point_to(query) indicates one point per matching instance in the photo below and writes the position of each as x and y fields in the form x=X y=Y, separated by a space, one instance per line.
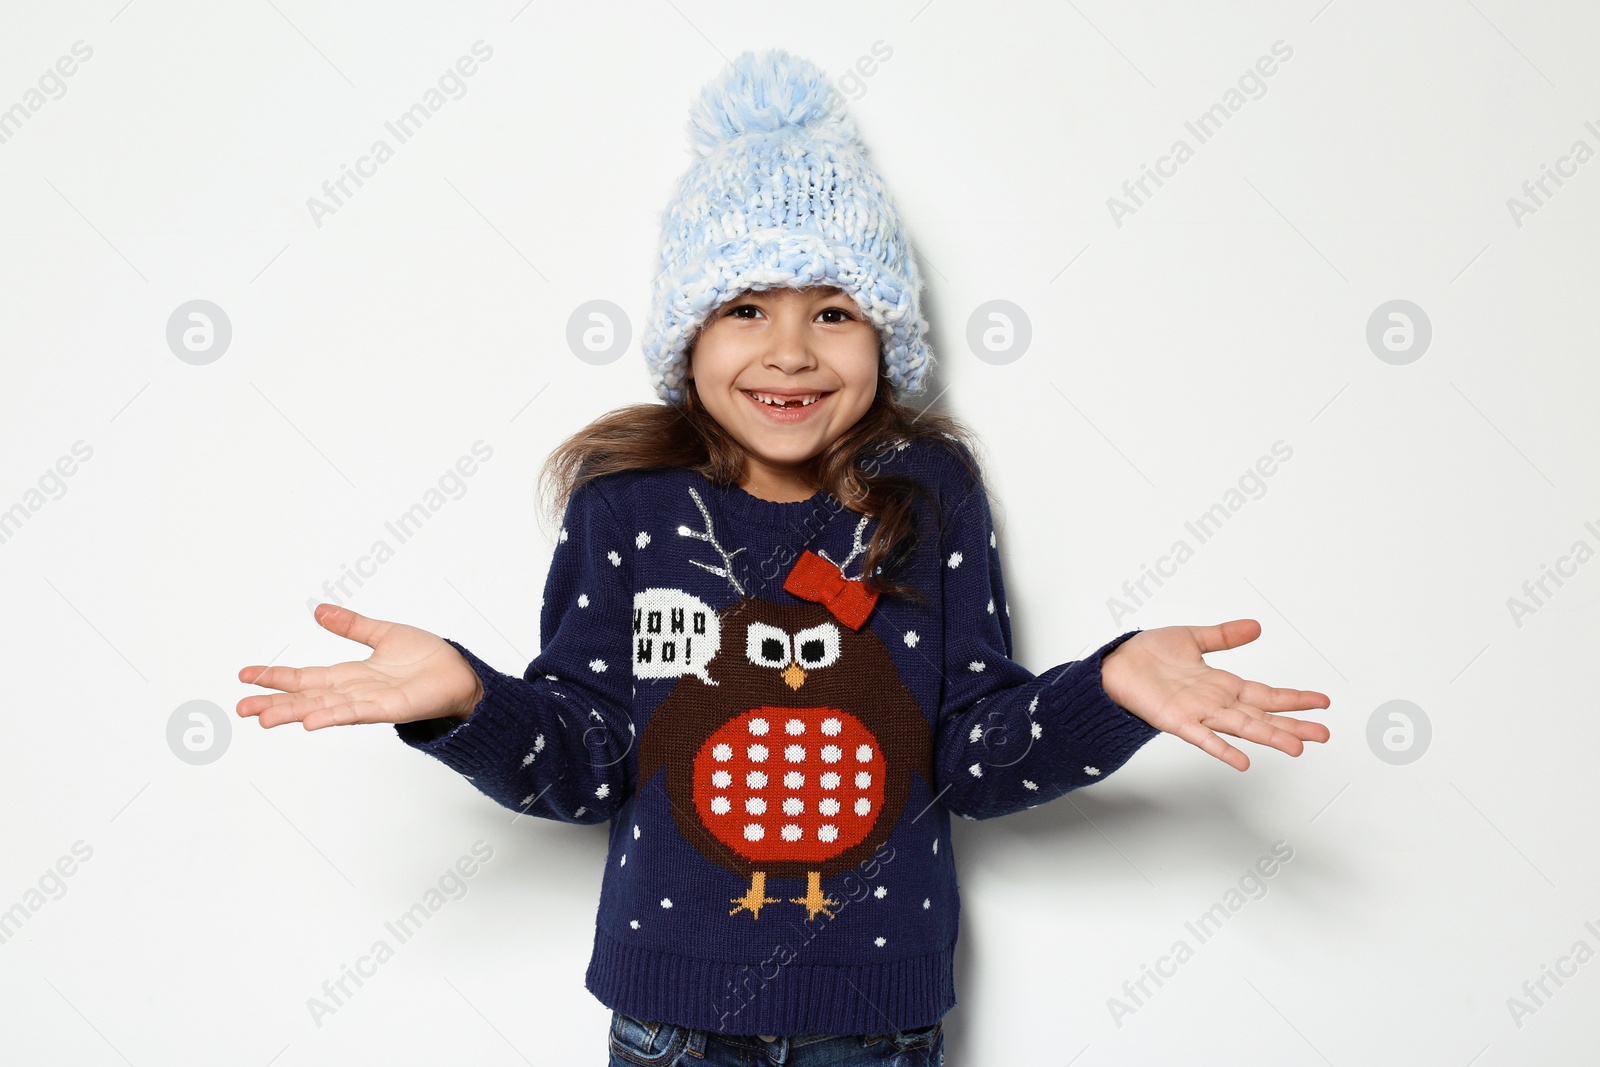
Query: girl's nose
x=790 y=352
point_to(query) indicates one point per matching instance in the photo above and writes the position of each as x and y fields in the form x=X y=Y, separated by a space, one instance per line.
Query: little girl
x=776 y=646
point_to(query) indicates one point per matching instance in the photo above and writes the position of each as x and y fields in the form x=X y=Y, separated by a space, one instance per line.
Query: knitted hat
x=780 y=195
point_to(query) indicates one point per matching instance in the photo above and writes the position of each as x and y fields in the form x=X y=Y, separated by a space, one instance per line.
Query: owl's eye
x=817 y=646
x=767 y=646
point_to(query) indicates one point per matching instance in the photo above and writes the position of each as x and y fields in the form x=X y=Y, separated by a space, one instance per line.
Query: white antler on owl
x=855 y=550
x=726 y=570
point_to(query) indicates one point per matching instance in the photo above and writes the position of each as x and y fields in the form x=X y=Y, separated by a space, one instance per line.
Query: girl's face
x=786 y=343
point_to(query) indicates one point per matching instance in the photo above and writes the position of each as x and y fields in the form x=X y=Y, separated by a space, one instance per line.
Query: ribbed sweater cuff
x=1100 y=729
x=499 y=724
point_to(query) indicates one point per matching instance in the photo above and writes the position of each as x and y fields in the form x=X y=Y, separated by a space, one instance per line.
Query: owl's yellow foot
x=754 y=897
x=814 y=900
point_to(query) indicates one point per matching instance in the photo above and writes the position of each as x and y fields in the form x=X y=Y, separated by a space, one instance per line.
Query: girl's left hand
x=1159 y=676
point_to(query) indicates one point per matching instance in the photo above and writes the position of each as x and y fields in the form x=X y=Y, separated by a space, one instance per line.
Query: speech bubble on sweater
x=674 y=633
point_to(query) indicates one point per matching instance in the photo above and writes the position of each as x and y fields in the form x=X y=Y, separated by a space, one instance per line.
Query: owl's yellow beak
x=794 y=675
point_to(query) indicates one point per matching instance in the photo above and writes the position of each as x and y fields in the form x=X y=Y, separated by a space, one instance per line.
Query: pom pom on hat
x=780 y=194
x=762 y=94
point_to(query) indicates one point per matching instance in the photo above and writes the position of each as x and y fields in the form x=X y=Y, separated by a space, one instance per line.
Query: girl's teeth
x=779 y=402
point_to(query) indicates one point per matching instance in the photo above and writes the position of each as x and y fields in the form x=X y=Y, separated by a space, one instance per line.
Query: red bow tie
x=814 y=578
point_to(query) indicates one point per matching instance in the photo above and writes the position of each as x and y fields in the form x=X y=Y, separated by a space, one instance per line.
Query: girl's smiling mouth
x=786 y=406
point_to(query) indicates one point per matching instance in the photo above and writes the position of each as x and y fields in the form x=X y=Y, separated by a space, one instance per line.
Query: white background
x=1169 y=353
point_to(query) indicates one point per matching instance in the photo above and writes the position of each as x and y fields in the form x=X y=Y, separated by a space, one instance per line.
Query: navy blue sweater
x=776 y=752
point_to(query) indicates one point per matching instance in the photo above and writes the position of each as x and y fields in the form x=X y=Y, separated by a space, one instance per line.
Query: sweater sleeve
x=556 y=742
x=1008 y=740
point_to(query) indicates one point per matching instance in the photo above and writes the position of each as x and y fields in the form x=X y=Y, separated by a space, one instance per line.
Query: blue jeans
x=641 y=1043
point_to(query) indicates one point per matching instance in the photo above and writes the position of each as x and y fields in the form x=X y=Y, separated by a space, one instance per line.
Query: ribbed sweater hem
x=788 y=999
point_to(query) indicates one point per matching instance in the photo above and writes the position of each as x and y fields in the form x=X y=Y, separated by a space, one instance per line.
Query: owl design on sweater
x=788 y=740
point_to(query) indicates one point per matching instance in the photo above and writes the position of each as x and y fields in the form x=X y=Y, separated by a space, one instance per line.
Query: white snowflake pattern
x=976 y=735
x=538 y=747
x=991 y=605
x=580 y=811
x=604 y=790
x=936 y=845
x=977 y=770
x=636 y=831
x=976 y=666
x=634 y=923
x=624 y=861
x=597 y=665
x=563 y=533
x=881 y=892
x=616 y=560
x=1092 y=771
x=642 y=540
x=666 y=902
x=1029 y=785
x=955 y=559
x=1037 y=730
x=926 y=903
x=583 y=601
x=880 y=942
x=912 y=639
x=991 y=538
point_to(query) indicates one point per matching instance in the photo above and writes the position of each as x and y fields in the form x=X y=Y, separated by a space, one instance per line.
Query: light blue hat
x=780 y=194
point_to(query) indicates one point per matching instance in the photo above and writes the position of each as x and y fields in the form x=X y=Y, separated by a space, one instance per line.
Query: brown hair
x=640 y=436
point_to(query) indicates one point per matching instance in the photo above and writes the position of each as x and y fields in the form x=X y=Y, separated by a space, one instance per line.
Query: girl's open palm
x=411 y=675
x=1159 y=676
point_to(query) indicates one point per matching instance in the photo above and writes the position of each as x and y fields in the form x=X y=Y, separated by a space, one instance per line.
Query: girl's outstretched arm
x=1007 y=739
x=552 y=743
x=555 y=742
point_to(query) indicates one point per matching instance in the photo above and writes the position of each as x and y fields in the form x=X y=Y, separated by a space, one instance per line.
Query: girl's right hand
x=411 y=675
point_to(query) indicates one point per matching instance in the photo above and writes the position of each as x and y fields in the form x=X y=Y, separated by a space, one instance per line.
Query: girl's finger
x=351 y=624
x=1208 y=742
x=1250 y=724
x=261 y=702
x=1225 y=635
x=288 y=679
x=1304 y=729
x=344 y=713
x=295 y=708
x=1274 y=699
x=1253 y=724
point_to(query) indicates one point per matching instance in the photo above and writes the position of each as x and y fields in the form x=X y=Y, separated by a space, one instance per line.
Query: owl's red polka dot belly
x=797 y=784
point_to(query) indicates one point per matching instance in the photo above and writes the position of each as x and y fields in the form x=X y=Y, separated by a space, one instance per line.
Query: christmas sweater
x=777 y=752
